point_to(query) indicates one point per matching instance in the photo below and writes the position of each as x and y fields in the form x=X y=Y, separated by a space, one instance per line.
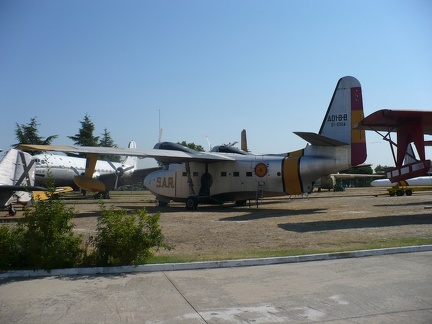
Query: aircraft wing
x=385 y=120
x=110 y=179
x=10 y=188
x=319 y=140
x=166 y=156
x=7 y=192
x=356 y=175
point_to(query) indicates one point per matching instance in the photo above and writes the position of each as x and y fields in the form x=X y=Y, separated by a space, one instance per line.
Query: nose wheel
x=191 y=203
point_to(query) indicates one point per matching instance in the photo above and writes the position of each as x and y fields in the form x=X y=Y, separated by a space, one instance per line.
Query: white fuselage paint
x=63 y=168
x=240 y=179
x=419 y=181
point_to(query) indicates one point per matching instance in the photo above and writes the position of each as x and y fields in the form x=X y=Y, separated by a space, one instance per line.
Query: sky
x=204 y=70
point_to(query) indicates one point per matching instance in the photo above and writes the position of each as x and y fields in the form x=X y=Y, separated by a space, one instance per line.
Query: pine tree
x=29 y=134
x=85 y=135
x=107 y=141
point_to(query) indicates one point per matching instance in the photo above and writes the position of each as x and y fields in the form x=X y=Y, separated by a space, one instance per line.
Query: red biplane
x=410 y=127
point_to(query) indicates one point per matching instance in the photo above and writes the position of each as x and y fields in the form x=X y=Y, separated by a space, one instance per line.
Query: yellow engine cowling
x=89 y=184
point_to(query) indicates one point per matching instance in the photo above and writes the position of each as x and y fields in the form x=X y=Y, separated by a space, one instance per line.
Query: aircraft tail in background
x=131 y=160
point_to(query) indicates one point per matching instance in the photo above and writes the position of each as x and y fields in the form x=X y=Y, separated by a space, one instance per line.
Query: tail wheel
x=191 y=203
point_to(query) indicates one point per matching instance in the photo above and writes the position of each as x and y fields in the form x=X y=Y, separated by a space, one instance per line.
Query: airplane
x=409 y=185
x=410 y=127
x=16 y=179
x=63 y=169
x=194 y=177
x=329 y=181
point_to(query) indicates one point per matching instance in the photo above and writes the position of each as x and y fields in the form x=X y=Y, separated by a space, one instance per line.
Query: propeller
x=119 y=172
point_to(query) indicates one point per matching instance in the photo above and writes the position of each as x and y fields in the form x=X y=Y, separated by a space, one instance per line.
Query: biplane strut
x=409 y=128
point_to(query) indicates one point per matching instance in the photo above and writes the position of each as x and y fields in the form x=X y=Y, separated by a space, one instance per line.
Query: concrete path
x=386 y=289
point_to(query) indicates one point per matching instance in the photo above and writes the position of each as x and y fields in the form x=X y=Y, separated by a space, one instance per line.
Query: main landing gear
x=191 y=203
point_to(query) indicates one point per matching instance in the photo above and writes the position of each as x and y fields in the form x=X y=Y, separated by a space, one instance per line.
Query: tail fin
x=131 y=160
x=244 y=146
x=339 y=126
x=343 y=115
x=409 y=156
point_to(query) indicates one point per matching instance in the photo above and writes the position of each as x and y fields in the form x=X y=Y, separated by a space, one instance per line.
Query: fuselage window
x=195 y=174
x=184 y=174
x=248 y=174
x=223 y=174
x=236 y=174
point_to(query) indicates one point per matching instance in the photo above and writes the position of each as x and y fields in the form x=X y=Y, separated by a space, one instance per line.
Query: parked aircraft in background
x=65 y=169
x=405 y=186
x=16 y=179
x=217 y=177
x=329 y=181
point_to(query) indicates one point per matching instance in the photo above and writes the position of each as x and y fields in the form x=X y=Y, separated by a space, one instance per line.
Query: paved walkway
x=387 y=289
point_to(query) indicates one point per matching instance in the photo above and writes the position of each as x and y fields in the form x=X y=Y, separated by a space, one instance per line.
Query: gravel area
x=351 y=219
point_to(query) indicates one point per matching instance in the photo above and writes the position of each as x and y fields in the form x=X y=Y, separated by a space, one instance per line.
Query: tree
x=382 y=168
x=85 y=134
x=363 y=169
x=107 y=141
x=29 y=134
x=193 y=146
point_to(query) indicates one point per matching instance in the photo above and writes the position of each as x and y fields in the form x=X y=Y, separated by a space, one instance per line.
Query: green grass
x=254 y=254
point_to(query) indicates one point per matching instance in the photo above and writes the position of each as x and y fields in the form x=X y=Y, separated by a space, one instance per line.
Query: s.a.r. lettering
x=165 y=182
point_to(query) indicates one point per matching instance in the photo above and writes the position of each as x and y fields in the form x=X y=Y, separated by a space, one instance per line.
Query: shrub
x=124 y=239
x=11 y=248
x=49 y=240
x=44 y=239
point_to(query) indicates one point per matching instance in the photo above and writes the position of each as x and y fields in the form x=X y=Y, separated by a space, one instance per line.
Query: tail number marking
x=337 y=120
x=165 y=182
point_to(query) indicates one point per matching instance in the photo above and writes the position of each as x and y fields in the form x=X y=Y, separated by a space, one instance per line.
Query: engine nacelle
x=89 y=184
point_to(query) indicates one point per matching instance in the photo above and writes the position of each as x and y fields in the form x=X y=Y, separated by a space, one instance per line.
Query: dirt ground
x=353 y=219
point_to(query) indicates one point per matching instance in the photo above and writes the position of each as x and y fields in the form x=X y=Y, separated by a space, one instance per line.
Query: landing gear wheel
x=399 y=192
x=162 y=203
x=240 y=203
x=191 y=203
x=408 y=192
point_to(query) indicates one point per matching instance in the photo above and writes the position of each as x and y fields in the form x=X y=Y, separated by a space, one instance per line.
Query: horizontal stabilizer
x=319 y=140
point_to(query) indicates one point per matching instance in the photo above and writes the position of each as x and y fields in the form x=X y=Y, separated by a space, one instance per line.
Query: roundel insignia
x=261 y=169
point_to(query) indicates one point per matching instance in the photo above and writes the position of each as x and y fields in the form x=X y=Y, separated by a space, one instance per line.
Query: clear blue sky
x=211 y=68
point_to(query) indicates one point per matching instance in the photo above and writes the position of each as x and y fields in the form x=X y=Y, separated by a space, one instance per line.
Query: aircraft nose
x=148 y=181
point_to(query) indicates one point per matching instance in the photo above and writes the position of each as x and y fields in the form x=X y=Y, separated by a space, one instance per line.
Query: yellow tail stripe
x=357 y=136
x=291 y=173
